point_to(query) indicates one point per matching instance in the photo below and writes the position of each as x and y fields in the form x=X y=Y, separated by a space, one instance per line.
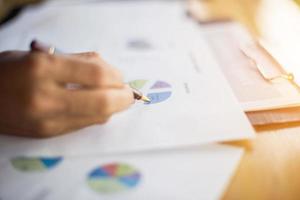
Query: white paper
x=190 y=174
x=152 y=41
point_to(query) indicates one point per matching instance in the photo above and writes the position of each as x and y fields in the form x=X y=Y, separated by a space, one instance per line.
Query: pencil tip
x=146 y=99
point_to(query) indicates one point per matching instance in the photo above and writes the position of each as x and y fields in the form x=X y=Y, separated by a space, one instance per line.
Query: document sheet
x=161 y=52
x=190 y=174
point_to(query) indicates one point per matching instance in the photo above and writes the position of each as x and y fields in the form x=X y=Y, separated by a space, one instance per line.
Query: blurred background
x=275 y=23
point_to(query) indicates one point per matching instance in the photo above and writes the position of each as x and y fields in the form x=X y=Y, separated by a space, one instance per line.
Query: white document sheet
x=159 y=51
x=190 y=174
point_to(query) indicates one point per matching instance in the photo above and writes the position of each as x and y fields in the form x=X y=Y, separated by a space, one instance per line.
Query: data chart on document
x=35 y=164
x=113 y=178
x=157 y=91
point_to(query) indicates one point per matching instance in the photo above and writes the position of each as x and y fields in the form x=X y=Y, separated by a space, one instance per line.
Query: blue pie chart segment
x=158 y=97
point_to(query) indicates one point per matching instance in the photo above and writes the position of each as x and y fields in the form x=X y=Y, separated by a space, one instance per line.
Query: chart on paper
x=157 y=91
x=35 y=164
x=113 y=177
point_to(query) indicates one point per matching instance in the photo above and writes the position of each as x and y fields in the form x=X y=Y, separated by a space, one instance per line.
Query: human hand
x=35 y=101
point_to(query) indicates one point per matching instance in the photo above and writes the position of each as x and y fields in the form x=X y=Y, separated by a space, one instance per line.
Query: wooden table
x=270 y=168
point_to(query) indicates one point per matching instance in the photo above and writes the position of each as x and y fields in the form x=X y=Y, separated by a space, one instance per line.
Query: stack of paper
x=268 y=93
x=142 y=151
x=249 y=70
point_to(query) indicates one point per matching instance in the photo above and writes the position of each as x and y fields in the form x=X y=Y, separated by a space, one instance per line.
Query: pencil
x=139 y=96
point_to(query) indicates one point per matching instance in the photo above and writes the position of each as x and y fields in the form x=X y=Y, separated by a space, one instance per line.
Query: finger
x=87 y=55
x=94 y=57
x=87 y=73
x=12 y=55
x=112 y=101
x=99 y=103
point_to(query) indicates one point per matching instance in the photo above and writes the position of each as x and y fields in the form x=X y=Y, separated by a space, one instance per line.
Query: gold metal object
x=287 y=76
x=139 y=95
x=51 y=50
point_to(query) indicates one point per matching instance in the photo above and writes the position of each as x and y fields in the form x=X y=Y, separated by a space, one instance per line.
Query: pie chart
x=35 y=164
x=113 y=177
x=157 y=91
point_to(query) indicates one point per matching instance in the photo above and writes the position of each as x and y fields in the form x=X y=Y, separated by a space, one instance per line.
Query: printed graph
x=157 y=91
x=35 y=164
x=113 y=178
